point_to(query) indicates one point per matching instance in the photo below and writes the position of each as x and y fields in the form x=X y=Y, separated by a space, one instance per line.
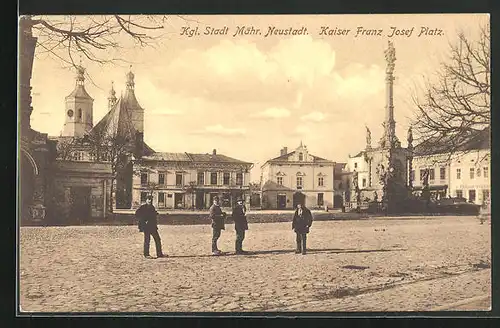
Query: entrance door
x=80 y=203
x=299 y=198
x=281 y=202
x=338 y=201
x=200 y=200
x=178 y=200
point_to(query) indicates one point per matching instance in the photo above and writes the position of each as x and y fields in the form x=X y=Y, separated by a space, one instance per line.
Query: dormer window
x=301 y=157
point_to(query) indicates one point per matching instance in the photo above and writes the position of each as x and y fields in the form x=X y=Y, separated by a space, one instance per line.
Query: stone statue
x=410 y=136
x=368 y=138
x=390 y=57
x=355 y=179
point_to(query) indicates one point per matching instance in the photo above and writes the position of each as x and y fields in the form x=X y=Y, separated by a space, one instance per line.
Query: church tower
x=136 y=111
x=112 y=97
x=78 y=108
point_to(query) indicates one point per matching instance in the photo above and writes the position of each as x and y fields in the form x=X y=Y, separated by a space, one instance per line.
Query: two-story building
x=464 y=173
x=188 y=181
x=297 y=177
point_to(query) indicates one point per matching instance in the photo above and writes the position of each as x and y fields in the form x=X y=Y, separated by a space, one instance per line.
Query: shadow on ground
x=291 y=251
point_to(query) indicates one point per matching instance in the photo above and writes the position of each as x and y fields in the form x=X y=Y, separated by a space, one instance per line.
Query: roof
x=79 y=92
x=474 y=140
x=190 y=157
x=118 y=121
x=284 y=158
x=361 y=153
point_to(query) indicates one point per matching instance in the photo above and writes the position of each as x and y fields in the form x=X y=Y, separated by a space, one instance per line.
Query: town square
x=278 y=172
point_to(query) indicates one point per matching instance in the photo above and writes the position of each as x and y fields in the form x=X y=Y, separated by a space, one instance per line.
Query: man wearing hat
x=240 y=224
x=146 y=215
x=217 y=217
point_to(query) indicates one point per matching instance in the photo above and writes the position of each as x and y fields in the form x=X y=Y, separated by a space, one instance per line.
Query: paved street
x=364 y=265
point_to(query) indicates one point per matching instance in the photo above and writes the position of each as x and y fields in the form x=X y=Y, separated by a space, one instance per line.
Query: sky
x=250 y=95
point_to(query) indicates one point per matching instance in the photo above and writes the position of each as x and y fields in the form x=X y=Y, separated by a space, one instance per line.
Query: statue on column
x=390 y=57
x=410 y=137
x=368 y=138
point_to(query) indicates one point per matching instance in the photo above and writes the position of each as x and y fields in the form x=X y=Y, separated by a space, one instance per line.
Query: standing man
x=217 y=217
x=146 y=215
x=302 y=221
x=240 y=225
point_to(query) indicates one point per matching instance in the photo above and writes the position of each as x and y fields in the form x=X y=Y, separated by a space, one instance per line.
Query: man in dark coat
x=240 y=225
x=302 y=221
x=217 y=217
x=146 y=215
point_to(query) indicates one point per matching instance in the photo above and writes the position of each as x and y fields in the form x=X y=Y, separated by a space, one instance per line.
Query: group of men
x=148 y=223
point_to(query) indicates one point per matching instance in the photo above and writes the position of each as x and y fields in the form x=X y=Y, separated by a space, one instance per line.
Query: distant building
x=187 y=181
x=464 y=173
x=296 y=177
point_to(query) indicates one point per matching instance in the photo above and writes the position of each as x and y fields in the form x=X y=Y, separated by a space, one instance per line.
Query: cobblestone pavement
x=367 y=265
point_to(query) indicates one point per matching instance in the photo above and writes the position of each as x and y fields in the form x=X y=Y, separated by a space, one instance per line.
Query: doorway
x=281 y=202
x=178 y=200
x=200 y=200
x=338 y=201
x=80 y=203
x=299 y=198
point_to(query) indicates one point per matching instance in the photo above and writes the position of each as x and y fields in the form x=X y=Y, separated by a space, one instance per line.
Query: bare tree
x=66 y=147
x=456 y=106
x=92 y=37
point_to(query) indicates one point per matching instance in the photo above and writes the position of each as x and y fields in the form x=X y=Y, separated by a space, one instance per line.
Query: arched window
x=79 y=113
x=301 y=157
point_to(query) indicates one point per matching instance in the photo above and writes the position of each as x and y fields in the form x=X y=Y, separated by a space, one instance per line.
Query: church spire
x=130 y=79
x=80 y=74
x=112 y=96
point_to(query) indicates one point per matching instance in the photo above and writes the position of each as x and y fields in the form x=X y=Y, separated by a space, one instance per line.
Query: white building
x=465 y=173
x=296 y=177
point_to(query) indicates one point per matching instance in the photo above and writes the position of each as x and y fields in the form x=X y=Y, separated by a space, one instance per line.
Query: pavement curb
x=452 y=306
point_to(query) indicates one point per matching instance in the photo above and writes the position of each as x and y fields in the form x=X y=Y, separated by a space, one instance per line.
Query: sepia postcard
x=254 y=164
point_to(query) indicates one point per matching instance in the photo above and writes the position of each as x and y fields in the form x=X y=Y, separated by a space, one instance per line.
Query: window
x=226 y=200
x=320 y=199
x=279 y=180
x=226 y=178
x=178 y=179
x=412 y=175
x=213 y=178
x=459 y=174
x=201 y=178
x=161 y=199
x=442 y=173
x=79 y=113
x=485 y=172
x=299 y=182
x=144 y=178
x=169 y=195
x=364 y=182
x=431 y=174
x=301 y=157
x=321 y=181
x=472 y=195
x=355 y=165
x=459 y=194
x=143 y=196
x=422 y=173
x=478 y=172
x=486 y=195
x=161 y=178
x=471 y=173
x=239 y=179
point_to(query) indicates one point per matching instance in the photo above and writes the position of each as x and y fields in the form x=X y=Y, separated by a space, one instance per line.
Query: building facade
x=297 y=177
x=465 y=173
x=189 y=181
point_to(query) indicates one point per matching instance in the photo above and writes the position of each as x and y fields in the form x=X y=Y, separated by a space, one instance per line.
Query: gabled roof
x=168 y=157
x=474 y=140
x=118 y=121
x=284 y=158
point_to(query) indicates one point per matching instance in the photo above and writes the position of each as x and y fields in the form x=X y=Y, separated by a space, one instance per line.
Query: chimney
x=214 y=152
x=284 y=151
x=139 y=144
